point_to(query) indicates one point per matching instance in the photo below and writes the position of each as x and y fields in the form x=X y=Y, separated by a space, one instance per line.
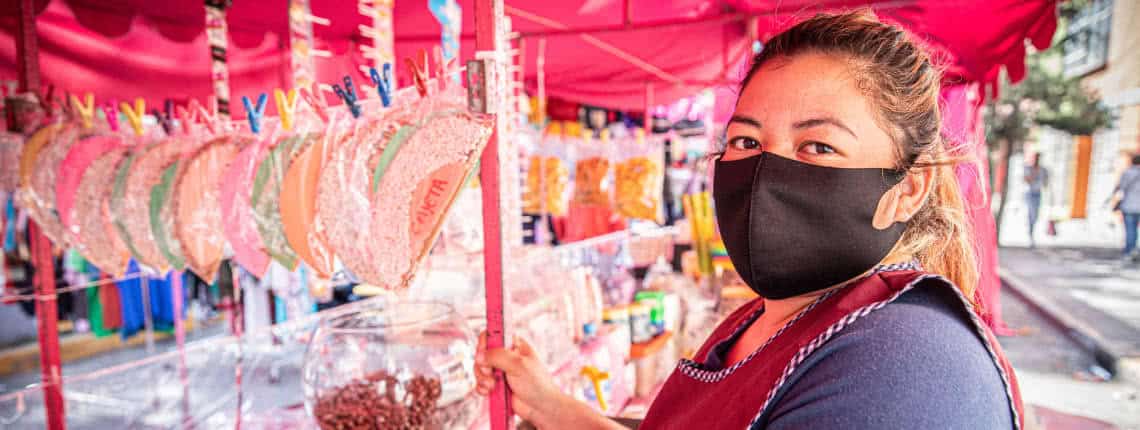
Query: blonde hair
x=903 y=84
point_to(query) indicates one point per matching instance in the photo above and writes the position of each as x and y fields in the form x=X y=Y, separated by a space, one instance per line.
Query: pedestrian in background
x=1037 y=178
x=1128 y=188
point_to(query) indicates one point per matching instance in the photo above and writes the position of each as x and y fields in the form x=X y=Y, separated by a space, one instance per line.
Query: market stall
x=296 y=196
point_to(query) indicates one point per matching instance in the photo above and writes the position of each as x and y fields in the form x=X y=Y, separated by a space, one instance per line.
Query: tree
x=1044 y=98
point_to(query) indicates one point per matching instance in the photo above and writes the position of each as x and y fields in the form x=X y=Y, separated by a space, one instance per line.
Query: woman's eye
x=817 y=148
x=742 y=143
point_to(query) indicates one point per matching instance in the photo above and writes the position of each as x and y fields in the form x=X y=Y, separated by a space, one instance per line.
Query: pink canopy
x=596 y=51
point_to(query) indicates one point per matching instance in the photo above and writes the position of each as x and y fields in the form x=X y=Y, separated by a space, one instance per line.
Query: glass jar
x=397 y=365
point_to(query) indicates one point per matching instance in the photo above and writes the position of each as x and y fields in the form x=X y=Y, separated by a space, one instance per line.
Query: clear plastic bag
x=238 y=222
x=299 y=203
x=592 y=172
x=420 y=183
x=639 y=176
x=40 y=197
x=266 y=191
x=10 y=147
x=197 y=202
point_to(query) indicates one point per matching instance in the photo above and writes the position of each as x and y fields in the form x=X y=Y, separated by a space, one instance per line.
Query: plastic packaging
x=237 y=213
x=10 y=147
x=592 y=171
x=40 y=198
x=418 y=181
x=197 y=203
x=266 y=192
x=298 y=205
x=639 y=176
x=93 y=226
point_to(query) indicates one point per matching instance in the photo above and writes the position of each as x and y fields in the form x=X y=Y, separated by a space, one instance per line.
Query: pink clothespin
x=316 y=100
x=187 y=115
x=111 y=112
x=419 y=72
x=208 y=114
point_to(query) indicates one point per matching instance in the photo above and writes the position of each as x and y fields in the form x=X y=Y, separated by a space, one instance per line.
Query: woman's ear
x=902 y=201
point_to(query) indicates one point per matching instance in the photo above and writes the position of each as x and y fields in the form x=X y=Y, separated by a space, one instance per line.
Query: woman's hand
x=534 y=396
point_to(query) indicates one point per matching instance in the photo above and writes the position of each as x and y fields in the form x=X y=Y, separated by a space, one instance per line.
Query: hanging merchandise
x=237 y=213
x=267 y=183
x=10 y=147
x=41 y=201
x=592 y=171
x=198 y=210
x=92 y=224
x=638 y=178
x=423 y=178
x=298 y=202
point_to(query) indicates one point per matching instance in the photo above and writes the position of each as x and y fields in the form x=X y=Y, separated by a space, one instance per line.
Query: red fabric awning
x=124 y=49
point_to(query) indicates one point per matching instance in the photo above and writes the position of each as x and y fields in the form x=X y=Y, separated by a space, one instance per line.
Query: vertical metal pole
x=47 y=319
x=648 y=109
x=47 y=322
x=27 y=48
x=487 y=15
x=148 y=313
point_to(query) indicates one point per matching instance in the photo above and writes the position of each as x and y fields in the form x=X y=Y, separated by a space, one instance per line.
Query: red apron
x=695 y=397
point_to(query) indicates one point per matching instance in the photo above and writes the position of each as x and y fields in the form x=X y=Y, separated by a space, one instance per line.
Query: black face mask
x=791 y=228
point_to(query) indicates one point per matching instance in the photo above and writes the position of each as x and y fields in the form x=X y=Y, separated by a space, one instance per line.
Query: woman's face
x=808 y=108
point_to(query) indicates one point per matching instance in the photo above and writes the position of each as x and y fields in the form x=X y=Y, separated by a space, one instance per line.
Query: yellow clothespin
x=135 y=114
x=86 y=108
x=640 y=134
x=596 y=377
x=286 y=105
x=605 y=135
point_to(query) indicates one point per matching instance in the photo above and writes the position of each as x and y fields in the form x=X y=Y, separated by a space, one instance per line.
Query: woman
x=1036 y=179
x=838 y=206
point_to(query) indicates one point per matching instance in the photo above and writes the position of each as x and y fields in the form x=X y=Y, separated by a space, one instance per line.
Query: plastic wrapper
x=266 y=193
x=419 y=186
x=592 y=173
x=197 y=203
x=10 y=147
x=71 y=171
x=131 y=203
x=548 y=176
x=40 y=200
x=299 y=205
x=639 y=176
x=238 y=223
x=343 y=207
x=94 y=231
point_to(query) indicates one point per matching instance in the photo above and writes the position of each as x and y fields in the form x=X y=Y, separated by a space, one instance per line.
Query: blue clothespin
x=383 y=83
x=348 y=94
x=255 y=113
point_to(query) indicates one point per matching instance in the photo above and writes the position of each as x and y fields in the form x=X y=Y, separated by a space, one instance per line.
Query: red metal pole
x=27 y=48
x=648 y=109
x=47 y=322
x=487 y=14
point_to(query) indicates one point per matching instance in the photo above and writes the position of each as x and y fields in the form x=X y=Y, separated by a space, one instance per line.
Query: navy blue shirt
x=917 y=363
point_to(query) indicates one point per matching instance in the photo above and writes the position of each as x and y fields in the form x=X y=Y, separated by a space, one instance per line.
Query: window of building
x=1086 y=40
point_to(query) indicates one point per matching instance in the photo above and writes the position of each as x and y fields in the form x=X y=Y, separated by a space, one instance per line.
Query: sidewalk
x=1089 y=293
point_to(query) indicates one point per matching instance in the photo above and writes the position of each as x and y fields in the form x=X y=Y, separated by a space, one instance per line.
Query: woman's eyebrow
x=816 y=122
x=745 y=120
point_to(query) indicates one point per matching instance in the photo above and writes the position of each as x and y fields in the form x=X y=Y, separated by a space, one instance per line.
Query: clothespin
x=441 y=68
x=112 y=114
x=135 y=114
x=316 y=100
x=187 y=115
x=286 y=105
x=383 y=83
x=208 y=114
x=254 y=113
x=86 y=108
x=165 y=119
x=46 y=100
x=348 y=94
x=419 y=72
